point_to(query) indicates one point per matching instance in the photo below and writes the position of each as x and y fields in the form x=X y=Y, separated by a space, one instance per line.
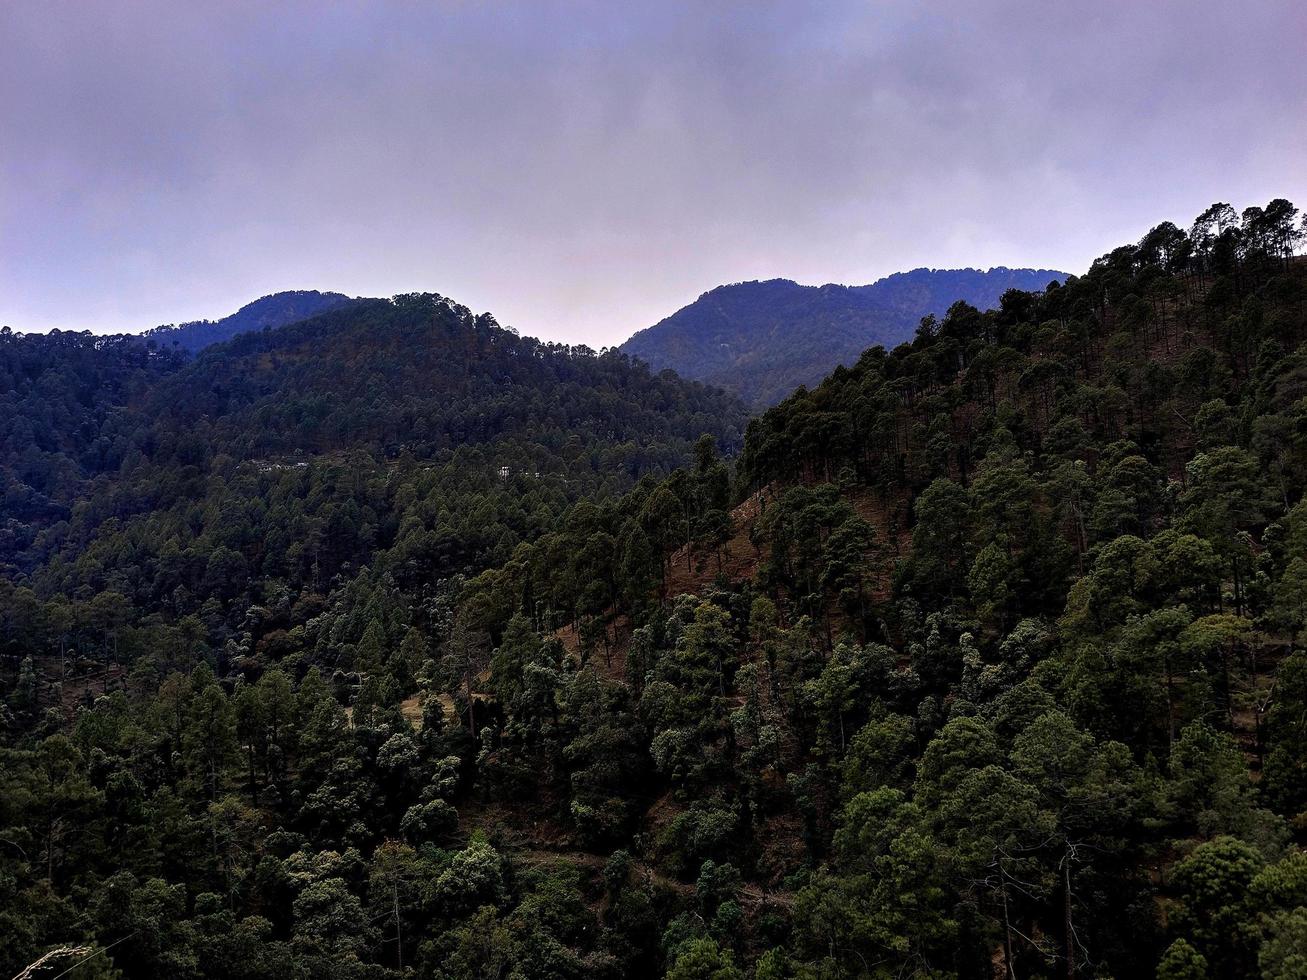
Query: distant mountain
x=762 y=340
x=275 y=310
x=421 y=372
x=417 y=377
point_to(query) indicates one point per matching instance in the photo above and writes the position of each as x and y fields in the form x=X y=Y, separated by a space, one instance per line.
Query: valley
x=386 y=642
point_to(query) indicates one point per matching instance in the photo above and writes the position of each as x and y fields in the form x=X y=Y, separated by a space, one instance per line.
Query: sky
x=582 y=170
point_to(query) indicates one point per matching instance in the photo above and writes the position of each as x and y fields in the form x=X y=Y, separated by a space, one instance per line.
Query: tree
x=1291 y=598
x=474 y=877
x=1225 y=494
x=1182 y=962
x=276 y=712
x=371 y=654
x=146 y=920
x=209 y=736
x=639 y=569
x=24 y=698
x=1092 y=794
x=393 y=880
x=963 y=746
x=996 y=829
x=330 y=921
x=605 y=756
x=1212 y=643
x=886 y=899
x=993 y=581
x=664 y=523
x=466 y=655
x=483 y=947
x=703 y=959
x=1283 y=955
x=940 y=537
x=1216 y=912
x=1209 y=788
x=406 y=663
x=849 y=563
x=252 y=730
x=1286 y=728
x=57 y=805
x=879 y=755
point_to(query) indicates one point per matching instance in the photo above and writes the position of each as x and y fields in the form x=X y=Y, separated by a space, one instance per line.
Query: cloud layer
x=583 y=169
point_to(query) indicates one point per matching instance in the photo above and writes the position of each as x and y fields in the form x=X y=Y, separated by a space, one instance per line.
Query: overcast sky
x=583 y=169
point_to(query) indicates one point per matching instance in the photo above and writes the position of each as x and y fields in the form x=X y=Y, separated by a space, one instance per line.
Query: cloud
x=583 y=169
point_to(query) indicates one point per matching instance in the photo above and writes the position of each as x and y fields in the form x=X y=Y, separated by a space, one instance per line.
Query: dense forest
x=761 y=340
x=391 y=644
x=267 y=312
x=311 y=447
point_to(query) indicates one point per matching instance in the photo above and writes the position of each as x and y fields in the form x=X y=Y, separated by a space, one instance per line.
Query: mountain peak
x=271 y=311
x=763 y=338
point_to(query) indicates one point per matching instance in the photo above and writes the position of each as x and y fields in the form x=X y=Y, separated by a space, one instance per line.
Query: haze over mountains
x=762 y=340
x=343 y=649
x=759 y=340
x=275 y=310
x=950 y=625
x=417 y=374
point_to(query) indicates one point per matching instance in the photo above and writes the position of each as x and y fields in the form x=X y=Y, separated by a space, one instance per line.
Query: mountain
x=422 y=373
x=124 y=441
x=1029 y=591
x=762 y=340
x=391 y=644
x=275 y=310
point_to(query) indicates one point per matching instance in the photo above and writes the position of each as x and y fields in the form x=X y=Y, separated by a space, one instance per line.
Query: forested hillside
x=982 y=658
x=105 y=442
x=762 y=340
x=275 y=310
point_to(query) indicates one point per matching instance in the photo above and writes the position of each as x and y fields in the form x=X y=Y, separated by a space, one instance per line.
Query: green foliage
x=764 y=339
x=984 y=657
x=1286 y=763
x=1216 y=911
x=1182 y=962
x=1284 y=953
x=703 y=959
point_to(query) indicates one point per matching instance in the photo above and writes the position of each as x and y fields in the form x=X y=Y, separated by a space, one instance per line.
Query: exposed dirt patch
x=533 y=827
x=411 y=709
x=606 y=652
x=74 y=682
x=783 y=850
x=690 y=569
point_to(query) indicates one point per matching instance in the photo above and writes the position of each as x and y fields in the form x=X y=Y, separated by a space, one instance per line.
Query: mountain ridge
x=271 y=311
x=417 y=376
x=420 y=619
x=742 y=336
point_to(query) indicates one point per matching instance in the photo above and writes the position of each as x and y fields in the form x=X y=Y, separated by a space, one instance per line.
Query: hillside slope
x=1004 y=629
x=423 y=373
x=107 y=443
x=275 y=310
x=986 y=659
x=764 y=339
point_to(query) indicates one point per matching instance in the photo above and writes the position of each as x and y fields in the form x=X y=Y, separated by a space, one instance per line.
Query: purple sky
x=583 y=169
